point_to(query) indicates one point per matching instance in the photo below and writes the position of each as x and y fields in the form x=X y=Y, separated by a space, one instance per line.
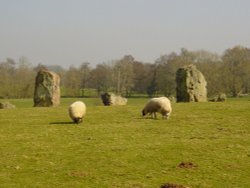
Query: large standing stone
x=109 y=99
x=47 y=89
x=191 y=85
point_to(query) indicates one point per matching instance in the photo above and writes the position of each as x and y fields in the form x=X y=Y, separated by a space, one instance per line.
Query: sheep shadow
x=147 y=118
x=62 y=123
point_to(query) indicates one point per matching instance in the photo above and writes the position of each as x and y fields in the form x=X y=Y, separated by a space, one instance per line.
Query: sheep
x=159 y=104
x=77 y=111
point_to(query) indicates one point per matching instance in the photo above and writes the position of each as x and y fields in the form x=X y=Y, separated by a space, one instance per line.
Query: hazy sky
x=69 y=32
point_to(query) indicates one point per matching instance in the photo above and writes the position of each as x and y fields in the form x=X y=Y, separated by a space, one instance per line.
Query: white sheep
x=159 y=104
x=77 y=111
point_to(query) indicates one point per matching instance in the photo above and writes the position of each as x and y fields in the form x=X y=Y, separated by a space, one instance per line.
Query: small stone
x=110 y=99
x=6 y=105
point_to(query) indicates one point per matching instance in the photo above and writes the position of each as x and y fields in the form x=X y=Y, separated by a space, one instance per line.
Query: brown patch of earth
x=187 y=165
x=78 y=174
x=171 y=185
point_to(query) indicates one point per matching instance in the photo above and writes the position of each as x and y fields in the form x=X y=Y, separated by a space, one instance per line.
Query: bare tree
x=236 y=69
x=101 y=78
x=71 y=82
x=85 y=72
x=125 y=75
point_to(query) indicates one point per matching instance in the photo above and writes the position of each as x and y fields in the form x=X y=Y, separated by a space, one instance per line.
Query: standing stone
x=47 y=89
x=191 y=85
x=110 y=99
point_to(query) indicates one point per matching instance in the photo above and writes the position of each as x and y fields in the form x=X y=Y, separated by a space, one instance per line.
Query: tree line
x=228 y=73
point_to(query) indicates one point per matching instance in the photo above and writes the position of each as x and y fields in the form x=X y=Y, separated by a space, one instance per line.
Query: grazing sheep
x=77 y=111
x=159 y=104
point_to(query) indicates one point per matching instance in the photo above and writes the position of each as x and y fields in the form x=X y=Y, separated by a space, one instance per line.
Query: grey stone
x=110 y=99
x=6 y=105
x=191 y=85
x=221 y=97
x=47 y=89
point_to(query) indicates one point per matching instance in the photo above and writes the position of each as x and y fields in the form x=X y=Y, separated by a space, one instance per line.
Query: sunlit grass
x=116 y=147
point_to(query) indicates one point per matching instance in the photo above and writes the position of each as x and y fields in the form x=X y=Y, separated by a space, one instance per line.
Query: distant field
x=116 y=148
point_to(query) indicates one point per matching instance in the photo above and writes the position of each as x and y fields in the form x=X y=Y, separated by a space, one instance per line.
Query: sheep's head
x=77 y=120
x=144 y=112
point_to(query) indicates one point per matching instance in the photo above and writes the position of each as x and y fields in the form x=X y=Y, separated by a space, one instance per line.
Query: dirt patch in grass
x=187 y=165
x=79 y=174
x=172 y=185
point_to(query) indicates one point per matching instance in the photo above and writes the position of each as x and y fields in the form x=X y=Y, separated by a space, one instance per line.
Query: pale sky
x=70 y=32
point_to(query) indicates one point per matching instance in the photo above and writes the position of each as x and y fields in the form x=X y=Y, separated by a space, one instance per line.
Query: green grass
x=116 y=147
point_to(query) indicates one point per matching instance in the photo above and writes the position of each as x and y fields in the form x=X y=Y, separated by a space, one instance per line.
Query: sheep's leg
x=154 y=115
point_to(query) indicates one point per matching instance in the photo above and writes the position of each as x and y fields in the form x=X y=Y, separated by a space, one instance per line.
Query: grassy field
x=116 y=147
